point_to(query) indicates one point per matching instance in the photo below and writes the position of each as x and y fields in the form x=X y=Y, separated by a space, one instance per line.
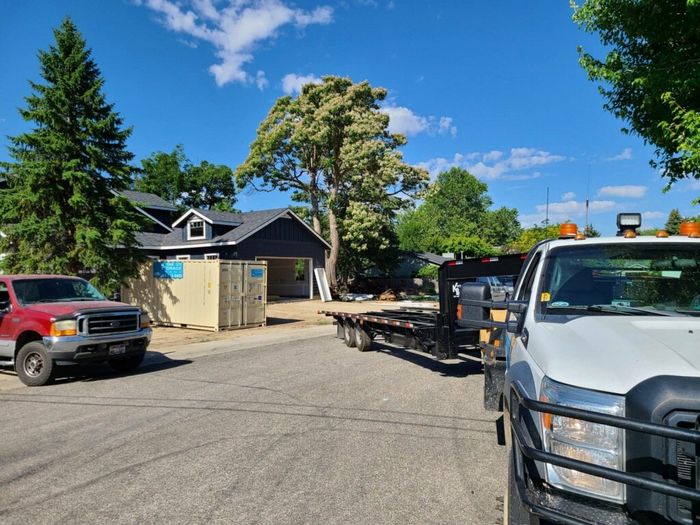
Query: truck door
x=6 y=321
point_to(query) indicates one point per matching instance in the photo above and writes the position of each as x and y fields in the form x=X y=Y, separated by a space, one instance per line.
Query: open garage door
x=289 y=276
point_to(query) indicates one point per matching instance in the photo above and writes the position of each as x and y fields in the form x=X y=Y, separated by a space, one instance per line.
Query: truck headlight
x=582 y=440
x=67 y=327
x=145 y=320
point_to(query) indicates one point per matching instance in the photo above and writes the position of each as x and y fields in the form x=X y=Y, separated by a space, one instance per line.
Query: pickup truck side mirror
x=5 y=307
x=116 y=296
x=474 y=292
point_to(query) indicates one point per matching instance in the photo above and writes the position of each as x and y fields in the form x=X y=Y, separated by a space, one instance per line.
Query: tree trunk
x=332 y=260
x=315 y=212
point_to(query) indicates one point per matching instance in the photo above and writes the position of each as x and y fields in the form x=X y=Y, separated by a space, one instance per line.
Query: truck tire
x=126 y=364
x=514 y=512
x=33 y=364
x=363 y=341
x=349 y=333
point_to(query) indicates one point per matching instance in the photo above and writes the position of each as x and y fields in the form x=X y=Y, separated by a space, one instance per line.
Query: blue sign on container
x=168 y=270
x=257 y=273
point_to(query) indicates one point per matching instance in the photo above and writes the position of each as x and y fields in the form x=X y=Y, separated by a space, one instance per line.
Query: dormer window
x=195 y=229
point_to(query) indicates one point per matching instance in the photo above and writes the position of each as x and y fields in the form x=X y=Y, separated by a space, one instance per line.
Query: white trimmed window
x=195 y=229
x=211 y=256
x=182 y=257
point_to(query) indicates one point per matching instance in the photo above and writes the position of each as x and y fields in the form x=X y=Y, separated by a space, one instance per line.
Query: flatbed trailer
x=437 y=331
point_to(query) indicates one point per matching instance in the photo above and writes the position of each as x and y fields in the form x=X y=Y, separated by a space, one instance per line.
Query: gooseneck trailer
x=441 y=331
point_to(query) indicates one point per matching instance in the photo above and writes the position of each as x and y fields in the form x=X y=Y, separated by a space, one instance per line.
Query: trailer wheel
x=349 y=333
x=363 y=341
x=339 y=330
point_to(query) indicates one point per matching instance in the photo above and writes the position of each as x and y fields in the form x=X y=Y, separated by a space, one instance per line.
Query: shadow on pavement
x=281 y=320
x=153 y=362
x=454 y=368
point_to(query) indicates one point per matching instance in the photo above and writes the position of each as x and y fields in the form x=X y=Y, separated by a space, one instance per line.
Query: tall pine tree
x=61 y=211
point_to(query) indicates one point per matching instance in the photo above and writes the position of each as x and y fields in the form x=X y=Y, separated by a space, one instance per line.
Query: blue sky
x=494 y=87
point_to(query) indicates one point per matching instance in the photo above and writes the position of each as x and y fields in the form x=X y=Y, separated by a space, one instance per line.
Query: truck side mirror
x=116 y=296
x=5 y=307
x=474 y=292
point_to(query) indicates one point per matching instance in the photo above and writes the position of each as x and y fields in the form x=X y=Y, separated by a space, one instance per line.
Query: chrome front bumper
x=85 y=349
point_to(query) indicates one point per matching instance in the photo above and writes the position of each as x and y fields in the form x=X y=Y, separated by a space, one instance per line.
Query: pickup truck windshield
x=623 y=279
x=54 y=290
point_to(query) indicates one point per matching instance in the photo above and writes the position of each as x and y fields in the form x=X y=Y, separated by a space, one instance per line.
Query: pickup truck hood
x=614 y=353
x=69 y=307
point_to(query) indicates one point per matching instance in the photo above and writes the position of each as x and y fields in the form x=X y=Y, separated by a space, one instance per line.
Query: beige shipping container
x=204 y=294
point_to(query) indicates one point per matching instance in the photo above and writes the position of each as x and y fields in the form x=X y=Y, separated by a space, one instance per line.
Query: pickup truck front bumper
x=558 y=506
x=91 y=349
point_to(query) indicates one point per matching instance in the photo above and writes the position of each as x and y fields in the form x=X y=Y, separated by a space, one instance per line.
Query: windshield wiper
x=684 y=311
x=605 y=309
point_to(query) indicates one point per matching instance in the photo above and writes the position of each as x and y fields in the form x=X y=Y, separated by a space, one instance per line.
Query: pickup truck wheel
x=33 y=364
x=126 y=364
x=363 y=341
x=349 y=333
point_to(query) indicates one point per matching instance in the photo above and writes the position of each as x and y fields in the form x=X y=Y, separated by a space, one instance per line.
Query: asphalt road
x=306 y=431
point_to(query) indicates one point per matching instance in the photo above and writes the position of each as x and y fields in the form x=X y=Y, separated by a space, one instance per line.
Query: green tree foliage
x=429 y=271
x=673 y=223
x=531 y=236
x=456 y=206
x=62 y=212
x=331 y=148
x=591 y=231
x=651 y=74
x=174 y=178
x=466 y=246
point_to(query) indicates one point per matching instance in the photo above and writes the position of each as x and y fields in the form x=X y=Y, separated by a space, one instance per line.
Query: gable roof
x=148 y=200
x=212 y=217
x=248 y=223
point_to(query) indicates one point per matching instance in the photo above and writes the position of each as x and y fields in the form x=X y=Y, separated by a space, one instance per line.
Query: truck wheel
x=33 y=364
x=349 y=333
x=363 y=341
x=514 y=512
x=126 y=364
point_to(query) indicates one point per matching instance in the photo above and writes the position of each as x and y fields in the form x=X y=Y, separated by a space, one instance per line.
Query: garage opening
x=289 y=276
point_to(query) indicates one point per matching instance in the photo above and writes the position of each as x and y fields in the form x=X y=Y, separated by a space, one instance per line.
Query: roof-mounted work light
x=628 y=221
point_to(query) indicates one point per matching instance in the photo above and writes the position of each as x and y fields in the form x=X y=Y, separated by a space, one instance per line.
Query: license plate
x=117 y=349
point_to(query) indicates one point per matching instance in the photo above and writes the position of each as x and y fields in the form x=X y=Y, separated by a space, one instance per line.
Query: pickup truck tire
x=349 y=333
x=33 y=364
x=126 y=364
x=363 y=341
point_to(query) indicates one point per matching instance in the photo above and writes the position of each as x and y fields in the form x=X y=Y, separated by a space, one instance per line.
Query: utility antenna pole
x=546 y=215
x=588 y=193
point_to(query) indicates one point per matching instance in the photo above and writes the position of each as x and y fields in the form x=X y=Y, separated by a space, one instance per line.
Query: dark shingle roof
x=148 y=200
x=432 y=258
x=225 y=217
x=248 y=222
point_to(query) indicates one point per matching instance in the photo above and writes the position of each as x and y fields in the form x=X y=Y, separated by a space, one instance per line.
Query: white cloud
x=405 y=121
x=261 y=80
x=652 y=215
x=564 y=211
x=568 y=196
x=634 y=192
x=292 y=83
x=496 y=164
x=234 y=29
x=625 y=154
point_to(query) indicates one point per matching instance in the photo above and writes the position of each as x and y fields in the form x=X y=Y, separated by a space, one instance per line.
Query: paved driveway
x=305 y=431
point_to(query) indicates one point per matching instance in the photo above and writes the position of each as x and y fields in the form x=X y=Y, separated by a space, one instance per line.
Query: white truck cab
x=601 y=394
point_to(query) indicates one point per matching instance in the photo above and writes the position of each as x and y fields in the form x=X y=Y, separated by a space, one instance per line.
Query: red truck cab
x=47 y=321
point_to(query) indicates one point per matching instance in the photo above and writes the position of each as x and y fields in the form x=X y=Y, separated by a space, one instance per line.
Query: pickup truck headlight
x=145 y=320
x=67 y=327
x=582 y=440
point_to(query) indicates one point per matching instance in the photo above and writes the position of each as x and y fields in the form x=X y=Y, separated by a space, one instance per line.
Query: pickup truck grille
x=109 y=323
x=682 y=458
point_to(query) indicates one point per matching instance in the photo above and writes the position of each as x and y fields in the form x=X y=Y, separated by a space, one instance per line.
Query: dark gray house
x=291 y=248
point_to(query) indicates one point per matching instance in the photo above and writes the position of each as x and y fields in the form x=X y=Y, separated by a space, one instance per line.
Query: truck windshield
x=54 y=290
x=623 y=279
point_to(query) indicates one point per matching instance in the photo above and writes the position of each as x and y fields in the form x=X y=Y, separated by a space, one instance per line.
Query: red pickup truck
x=51 y=320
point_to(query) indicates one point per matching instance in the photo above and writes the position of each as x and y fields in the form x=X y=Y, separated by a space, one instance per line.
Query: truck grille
x=684 y=468
x=109 y=323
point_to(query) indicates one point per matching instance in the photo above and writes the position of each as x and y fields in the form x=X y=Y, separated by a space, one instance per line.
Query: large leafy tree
x=456 y=206
x=331 y=148
x=61 y=211
x=650 y=76
x=176 y=179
